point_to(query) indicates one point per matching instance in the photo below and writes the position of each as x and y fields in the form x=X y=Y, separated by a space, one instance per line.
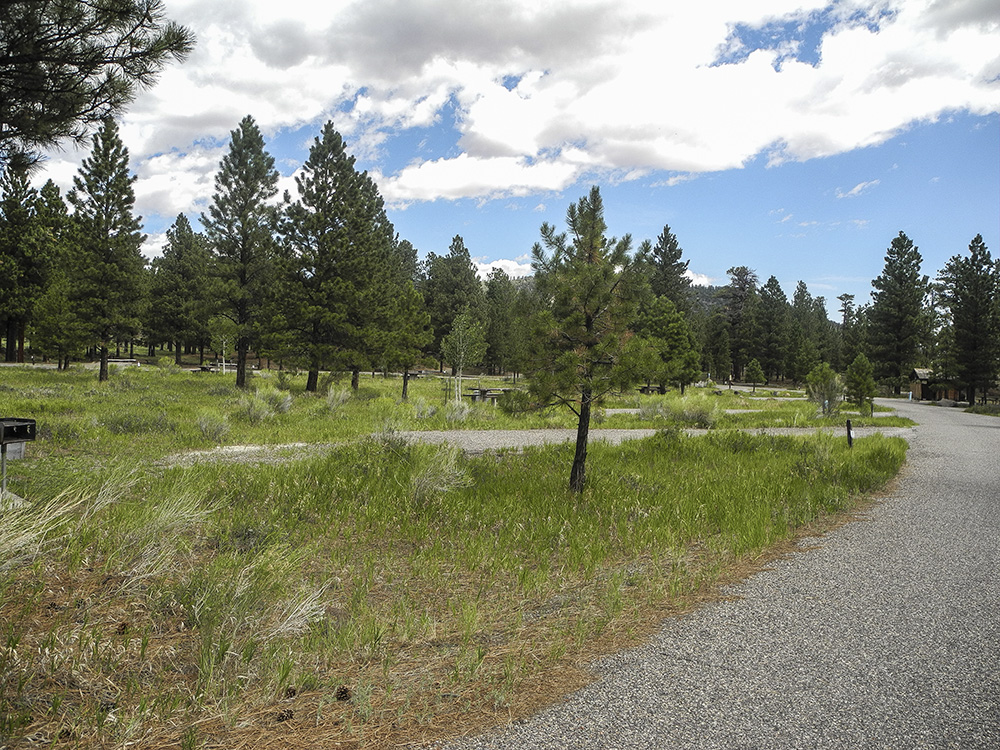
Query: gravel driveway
x=887 y=635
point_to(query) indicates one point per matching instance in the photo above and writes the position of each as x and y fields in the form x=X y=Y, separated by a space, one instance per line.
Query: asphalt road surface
x=886 y=635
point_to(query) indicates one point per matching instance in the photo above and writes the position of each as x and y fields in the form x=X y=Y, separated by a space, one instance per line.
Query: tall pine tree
x=343 y=268
x=22 y=261
x=179 y=306
x=896 y=318
x=500 y=296
x=667 y=272
x=971 y=292
x=773 y=325
x=240 y=226
x=106 y=276
x=57 y=327
x=450 y=287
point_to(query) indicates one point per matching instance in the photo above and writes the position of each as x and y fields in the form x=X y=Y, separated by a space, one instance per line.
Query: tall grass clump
x=457 y=411
x=263 y=404
x=213 y=427
x=441 y=471
x=422 y=409
x=168 y=366
x=138 y=420
x=692 y=410
x=336 y=398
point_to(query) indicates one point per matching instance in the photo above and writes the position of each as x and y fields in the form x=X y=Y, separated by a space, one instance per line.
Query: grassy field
x=371 y=592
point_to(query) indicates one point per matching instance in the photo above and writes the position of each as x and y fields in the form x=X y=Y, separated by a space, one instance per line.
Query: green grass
x=992 y=410
x=375 y=592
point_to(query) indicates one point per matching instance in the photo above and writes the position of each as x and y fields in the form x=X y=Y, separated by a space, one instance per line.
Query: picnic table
x=486 y=394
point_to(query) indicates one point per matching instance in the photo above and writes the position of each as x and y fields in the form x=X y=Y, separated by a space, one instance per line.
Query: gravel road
x=886 y=635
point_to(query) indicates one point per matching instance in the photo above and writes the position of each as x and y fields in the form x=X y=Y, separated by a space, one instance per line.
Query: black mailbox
x=16 y=431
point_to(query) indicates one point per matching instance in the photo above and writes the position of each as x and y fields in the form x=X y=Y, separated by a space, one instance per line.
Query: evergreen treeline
x=319 y=280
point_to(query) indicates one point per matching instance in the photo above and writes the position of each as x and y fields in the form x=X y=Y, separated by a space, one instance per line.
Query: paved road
x=886 y=636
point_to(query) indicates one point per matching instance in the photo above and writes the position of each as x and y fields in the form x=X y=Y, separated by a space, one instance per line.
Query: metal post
x=850 y=435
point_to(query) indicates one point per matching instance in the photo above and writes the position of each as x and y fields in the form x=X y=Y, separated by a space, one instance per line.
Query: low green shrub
x=213 y=427
x=138 y=422
x=515 y=402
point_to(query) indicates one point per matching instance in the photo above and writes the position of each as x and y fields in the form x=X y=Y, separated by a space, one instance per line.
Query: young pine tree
x=859 y=383
x=594 y=285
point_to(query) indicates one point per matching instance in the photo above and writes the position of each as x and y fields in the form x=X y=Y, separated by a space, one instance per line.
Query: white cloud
x=857 y=190
x=153 y=246
x=512 y=268
x=543 y=94
x=699 y=279
x=478 y=176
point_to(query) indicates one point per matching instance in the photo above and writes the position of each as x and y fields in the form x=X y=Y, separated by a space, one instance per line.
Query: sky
x=796 y=137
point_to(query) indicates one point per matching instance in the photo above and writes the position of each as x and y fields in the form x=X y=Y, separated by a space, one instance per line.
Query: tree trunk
x=312 y=382
x=10 y=354
x=102 y=374
x=355 y=379
x=406 y=383
x=241 y=363
x=578 y=474
x=20 y=341
x=177 y=353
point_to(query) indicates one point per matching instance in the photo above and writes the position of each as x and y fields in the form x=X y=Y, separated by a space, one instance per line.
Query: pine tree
x=774 y=326
x=971 y=292
x=897 y=316
x=180 y=305
x=740 y=299
x=850 y=328
x=106 y=275
x=859 y=383
x=594 y=286
x=345 y=268
x=665 y=330
x=410 y=333
x=754 y=374
x=500 y=296
x=57 y=327
x=22 y=263
x=67 y=65
x=667 y=273
x=240 y=226
x=451 y=285
x=717 y=358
